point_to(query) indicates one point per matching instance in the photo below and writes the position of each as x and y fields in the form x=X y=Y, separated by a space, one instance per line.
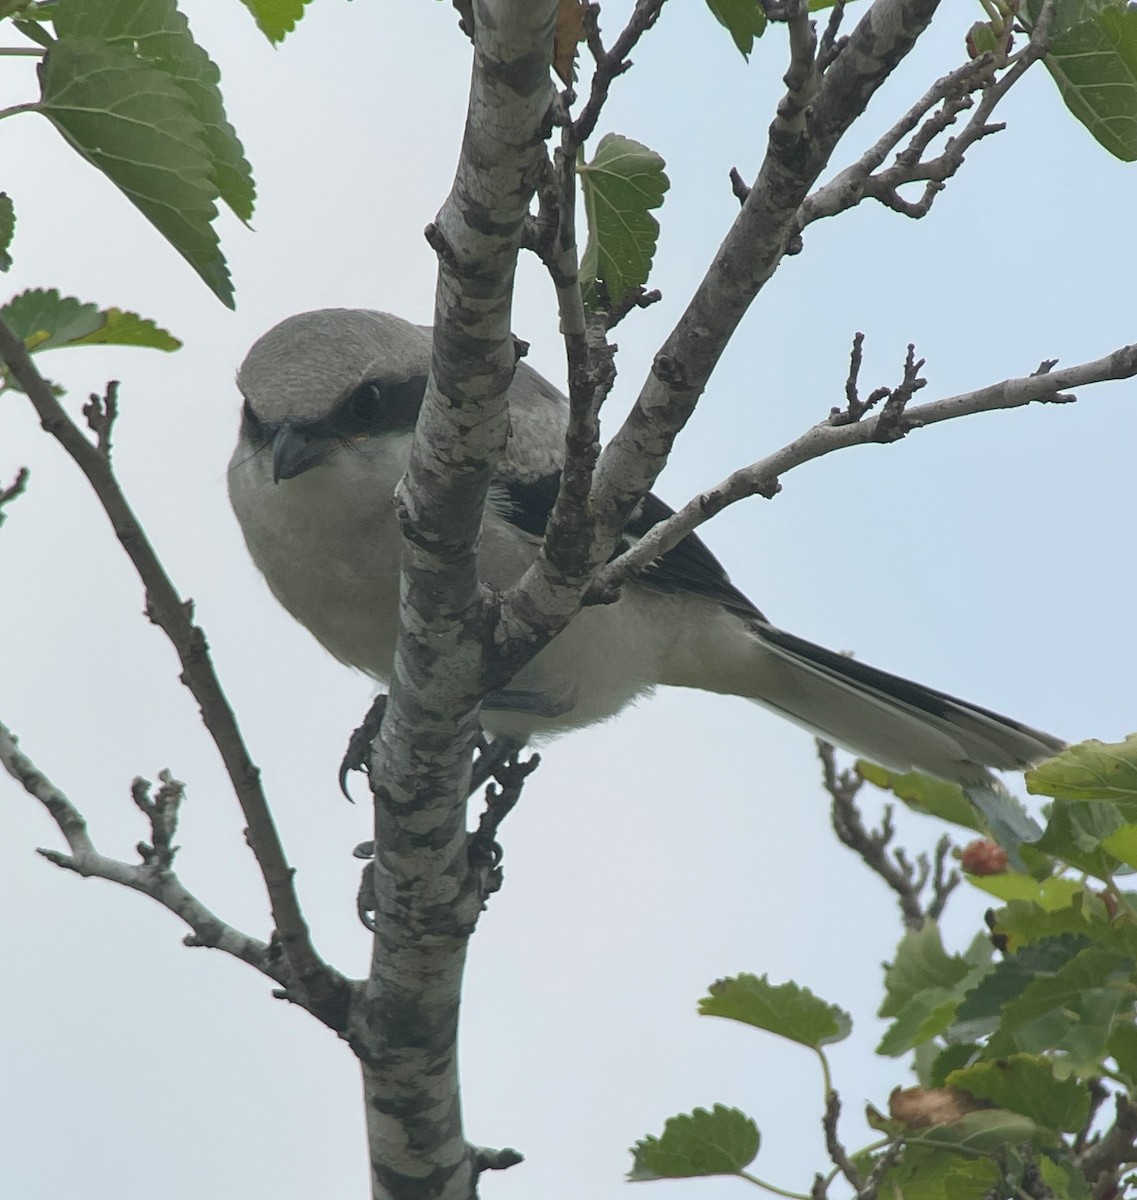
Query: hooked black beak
x=295 y=450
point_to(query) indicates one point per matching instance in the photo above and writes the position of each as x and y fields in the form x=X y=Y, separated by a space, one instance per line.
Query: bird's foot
x=357 y=757
x=494 y=756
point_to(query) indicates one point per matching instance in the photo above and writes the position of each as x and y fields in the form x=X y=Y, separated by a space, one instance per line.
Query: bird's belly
x=334 y=566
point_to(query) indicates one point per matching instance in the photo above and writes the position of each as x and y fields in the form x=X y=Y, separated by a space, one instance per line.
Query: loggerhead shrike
x=331 y=398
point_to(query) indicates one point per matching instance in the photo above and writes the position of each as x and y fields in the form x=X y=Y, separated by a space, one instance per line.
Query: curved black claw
x=364 y=901
x=357 y=757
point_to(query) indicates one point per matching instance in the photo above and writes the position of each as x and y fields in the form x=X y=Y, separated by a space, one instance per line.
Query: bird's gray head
x=329 y=377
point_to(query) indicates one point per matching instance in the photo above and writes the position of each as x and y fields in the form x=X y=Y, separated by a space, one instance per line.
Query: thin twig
x=153 y=877
x=831 y=45
x=801 y=77
x=881 y=1168
x=896 y=871
x=317 y=985
x=16 y=488
x=837 y=1153
x=926 y=120
x=762 y=478
x=611 y=63
x=855 y=408
x=1102 y=1161
x=944 y=881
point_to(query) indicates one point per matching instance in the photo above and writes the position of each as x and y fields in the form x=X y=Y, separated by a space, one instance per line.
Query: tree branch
x=15 y=489
x=948 y=96
x=762 y=478
x=311 y=982
x=811 y=120
x=427 y=895
x=906 y=879
x=154 y=876
x=1102 y=1161
x=611 y=63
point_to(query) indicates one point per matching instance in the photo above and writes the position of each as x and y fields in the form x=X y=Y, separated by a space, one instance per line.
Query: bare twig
x=837 y=1153
x=486 y=1159
x=831 y=45
x=935 y=112
x=315 y=984
x=1102 y=1161
x=762 y=478
x=162 y=812
x=16 y=488
x=101 y=413
x=944 y=880
x=801 y=77
x=855 y=407
x=906 y=879
x=152 y=877
x=611 y=63
x=851 y=185
x=1099 y=1094
x=880 y=1169
x=892 y=423
x=798 y=149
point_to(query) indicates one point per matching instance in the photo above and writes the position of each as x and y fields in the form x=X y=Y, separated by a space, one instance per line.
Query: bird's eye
x=364 y=406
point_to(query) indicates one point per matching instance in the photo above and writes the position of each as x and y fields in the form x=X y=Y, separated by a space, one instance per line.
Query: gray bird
x=331 y=398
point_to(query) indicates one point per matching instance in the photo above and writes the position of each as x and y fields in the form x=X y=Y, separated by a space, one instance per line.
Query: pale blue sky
x=686 y=840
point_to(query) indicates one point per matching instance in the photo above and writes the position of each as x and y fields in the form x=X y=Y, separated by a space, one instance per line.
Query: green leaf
x=18 y=10
x=1122 y=844
x=972 y=1180
x=979 y=1011
x=622 y=183
x=723 y=1141
x=31 y=25
x=1071 y=1011
x=923 y=794
x=1122 y=1048
x=1087 y=916
x=744 y=20
x=133 y=122
x=928 y=1174
x=923 y=988
x=276 y=18
x=1007 y=821
x=1062 y=1176
x=7 y=229
x=158 y=34
x=951 y=1058
x=46 y=320
x=985 y=37
x=920 y=963
x=924 y=1017
x=987 y=1131
x=121 y=328
x=1075 y=833
x=1093 y=61
x=1025 y=1084
x=1092 y=770
x=1049 y=894
x=786 y=1009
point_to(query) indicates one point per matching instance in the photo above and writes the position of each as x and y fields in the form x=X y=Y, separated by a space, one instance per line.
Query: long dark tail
x=904 y=724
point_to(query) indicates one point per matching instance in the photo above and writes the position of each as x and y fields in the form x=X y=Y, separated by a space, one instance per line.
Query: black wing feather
x=688 y=568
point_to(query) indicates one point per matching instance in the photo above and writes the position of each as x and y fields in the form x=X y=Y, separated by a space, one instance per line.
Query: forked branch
x=310 y=980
